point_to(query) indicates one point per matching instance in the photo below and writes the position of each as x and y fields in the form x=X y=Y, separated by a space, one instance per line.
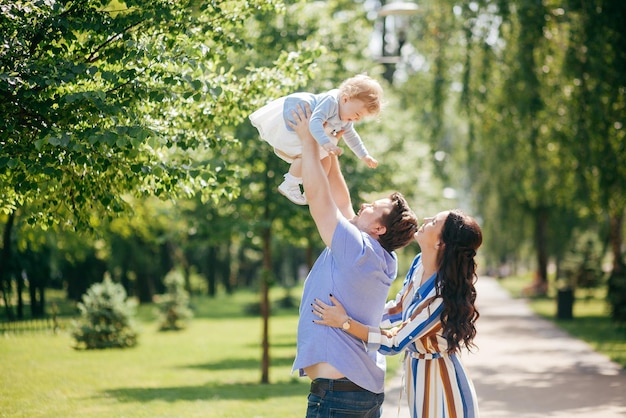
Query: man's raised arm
x=339 y=189
x=316 y=186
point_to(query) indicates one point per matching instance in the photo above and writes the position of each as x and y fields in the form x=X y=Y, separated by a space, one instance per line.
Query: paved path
x=528 y=368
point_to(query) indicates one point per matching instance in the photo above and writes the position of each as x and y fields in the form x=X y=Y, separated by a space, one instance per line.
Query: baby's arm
x=332 y=149
x=353 y=140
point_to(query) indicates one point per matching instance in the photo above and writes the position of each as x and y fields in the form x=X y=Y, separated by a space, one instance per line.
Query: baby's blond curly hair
x=365 y=89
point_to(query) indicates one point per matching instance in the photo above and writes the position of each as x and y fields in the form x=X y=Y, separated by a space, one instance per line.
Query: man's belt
x=320 y=386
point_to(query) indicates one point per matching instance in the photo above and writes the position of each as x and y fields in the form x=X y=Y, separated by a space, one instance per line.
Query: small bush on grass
x=173 y=305
x=106 y=318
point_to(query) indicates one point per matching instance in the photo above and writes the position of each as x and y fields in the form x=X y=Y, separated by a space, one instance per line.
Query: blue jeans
x=350 y=404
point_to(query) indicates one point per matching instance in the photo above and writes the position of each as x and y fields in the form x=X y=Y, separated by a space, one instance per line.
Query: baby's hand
x=332 y=149
x=370 y=161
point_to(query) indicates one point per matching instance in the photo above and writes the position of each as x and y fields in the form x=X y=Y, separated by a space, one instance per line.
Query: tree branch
x=94 y=57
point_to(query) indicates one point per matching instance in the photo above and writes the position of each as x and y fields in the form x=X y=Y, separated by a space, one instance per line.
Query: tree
x=544 y=99
x=106 y=99
x=596 y=87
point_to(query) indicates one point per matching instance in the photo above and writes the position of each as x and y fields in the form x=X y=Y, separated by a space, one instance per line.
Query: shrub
x=173 y=306
x=106 y=318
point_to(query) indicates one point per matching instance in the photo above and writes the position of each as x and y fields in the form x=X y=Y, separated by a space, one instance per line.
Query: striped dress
x=437 y=385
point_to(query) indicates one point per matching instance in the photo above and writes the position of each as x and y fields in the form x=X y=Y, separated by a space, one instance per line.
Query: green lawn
x=591 y=321
x=211 y=369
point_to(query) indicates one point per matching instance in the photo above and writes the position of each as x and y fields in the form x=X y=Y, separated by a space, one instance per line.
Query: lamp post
x=395 y=22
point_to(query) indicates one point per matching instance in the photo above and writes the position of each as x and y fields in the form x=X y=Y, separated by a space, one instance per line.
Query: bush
x=106 y=318
x=173 y=306
x=582 y=265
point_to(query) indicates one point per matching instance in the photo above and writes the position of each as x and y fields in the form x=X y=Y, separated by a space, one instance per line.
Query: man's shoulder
x=347 y=233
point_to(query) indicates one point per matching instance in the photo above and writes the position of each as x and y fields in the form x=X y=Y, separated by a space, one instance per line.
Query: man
x=357 y=267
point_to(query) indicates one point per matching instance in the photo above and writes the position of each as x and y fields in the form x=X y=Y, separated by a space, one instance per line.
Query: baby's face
x=352 y=110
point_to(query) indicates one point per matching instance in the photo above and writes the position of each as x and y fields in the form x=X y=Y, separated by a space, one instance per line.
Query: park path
x=528 y=368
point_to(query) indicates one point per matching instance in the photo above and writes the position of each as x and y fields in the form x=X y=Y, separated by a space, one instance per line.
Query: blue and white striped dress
x=437 y=385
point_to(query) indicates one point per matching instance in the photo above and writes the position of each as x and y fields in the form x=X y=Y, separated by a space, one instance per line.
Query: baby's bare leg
x=296 y=167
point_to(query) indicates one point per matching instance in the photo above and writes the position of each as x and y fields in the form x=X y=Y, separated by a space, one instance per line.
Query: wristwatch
x=346 y=325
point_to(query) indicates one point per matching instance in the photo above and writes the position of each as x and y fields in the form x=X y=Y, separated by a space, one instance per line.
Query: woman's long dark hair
x=456 y=276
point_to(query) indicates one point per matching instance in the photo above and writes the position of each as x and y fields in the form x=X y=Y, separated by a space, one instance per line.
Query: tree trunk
x=265 y=281
x=32 y=293
x=541 y=245
x=616 y=292
x=265 y=305
x=145 y=287
x=6 y=269
x=226 y=279
x=19 y=278
x=211 y=270
x=615 y=234
x=42 y=300
x=309 y=256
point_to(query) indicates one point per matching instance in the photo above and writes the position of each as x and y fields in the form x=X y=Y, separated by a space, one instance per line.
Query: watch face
x=346 y=325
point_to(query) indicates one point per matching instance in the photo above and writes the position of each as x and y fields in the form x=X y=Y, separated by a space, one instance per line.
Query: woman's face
x=429 y=234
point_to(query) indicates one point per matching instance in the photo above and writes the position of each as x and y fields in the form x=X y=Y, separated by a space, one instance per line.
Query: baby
x=332 y=116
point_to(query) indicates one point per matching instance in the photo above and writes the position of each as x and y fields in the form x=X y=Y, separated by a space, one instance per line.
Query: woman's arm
x=424 y=321
x=388 y=342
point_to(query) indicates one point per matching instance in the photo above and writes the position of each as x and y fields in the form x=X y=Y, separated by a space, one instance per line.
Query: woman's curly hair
x=456 y=276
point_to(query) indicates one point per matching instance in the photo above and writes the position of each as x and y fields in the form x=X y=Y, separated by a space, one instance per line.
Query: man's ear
x=380 y=230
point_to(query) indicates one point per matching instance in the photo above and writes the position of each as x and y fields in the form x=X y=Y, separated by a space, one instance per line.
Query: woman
x=433 y=318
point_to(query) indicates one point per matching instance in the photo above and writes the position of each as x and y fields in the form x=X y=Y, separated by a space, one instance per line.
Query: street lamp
x=395 y=22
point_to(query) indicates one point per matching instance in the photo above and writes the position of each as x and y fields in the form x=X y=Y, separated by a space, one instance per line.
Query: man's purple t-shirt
x=358 y=272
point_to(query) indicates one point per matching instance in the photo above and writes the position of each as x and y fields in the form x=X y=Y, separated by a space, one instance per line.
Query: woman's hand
x=331 y=315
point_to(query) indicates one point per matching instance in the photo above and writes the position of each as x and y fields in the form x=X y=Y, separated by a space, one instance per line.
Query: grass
x=591 y=321
x=211 y=369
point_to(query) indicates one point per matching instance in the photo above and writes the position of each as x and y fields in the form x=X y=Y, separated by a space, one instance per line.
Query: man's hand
x=300 y=122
